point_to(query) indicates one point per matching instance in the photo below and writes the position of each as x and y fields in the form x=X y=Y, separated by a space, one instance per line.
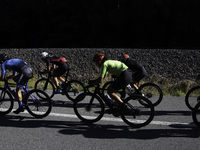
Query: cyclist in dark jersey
x=138 y=71
x=62 y=67
x=21 y=74
x=116 y=68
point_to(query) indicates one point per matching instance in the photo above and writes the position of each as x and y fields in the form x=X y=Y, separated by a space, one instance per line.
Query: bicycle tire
x=40 y=84
x=73 y=88
x=136 y=114
x=38 y=107
x=192 y=97
x=6 y=101
x=87 y=113
x=152 y=92
x=196 y=114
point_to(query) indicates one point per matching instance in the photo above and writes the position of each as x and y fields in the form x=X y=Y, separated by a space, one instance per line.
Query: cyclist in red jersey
x=62 y=67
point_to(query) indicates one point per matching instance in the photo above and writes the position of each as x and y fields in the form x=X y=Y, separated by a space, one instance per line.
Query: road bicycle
x=137 y=112
x=70 y=88
x=196 y=114
x=149 y=90
x=36 y=106
x=192 y=97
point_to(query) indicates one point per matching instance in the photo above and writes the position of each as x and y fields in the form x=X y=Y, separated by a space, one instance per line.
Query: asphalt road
x=172 y=128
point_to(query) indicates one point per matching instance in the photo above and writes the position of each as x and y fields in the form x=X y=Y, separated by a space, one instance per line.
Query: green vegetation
x=171 y=87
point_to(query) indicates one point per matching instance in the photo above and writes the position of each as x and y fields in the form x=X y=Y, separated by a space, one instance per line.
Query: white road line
x=164 y=123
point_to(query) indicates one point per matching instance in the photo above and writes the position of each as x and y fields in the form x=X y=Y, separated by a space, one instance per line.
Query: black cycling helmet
x=4 y=57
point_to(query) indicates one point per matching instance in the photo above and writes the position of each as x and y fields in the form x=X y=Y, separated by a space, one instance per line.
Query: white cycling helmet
x=43 y=54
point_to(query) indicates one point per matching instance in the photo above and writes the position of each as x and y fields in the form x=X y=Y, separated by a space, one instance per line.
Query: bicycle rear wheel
x=89 y=107
x=196 y=114
x=45 y=85
x=38 y=107
x=73 y=88
x=6 y=102
x=152 y=92
x=192 y=97
x=139 y=111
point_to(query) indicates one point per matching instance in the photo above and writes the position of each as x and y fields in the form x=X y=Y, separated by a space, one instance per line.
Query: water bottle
x=109 y=99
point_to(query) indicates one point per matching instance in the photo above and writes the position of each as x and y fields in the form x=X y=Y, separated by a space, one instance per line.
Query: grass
x=171 y=87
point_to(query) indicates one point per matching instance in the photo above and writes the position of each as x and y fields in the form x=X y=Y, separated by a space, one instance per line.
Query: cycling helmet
x=4 y=57
x=98 y=57
x=43 y=54
x=124 y=57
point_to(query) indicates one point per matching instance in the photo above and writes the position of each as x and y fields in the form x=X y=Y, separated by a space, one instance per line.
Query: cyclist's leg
x=22 y=80
x=120 y=83
x=137 y=77
x=58 y=72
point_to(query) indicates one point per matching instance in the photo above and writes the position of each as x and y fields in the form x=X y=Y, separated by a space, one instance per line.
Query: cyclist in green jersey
x=116 y=68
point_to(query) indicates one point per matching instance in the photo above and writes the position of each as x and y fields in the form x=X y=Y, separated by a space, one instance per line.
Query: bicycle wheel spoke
x=73 y=89
x=6 y=102
x=37 y=106
x=138 y=113
x=196 y=114
x=152 y=92
x=192 y=97
x=87 y=111
x=46 y=86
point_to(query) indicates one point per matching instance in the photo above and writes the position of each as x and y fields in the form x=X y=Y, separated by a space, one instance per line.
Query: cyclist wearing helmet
x=21 y=73
x=116 y=68
x=62 y=64
x=138 y=71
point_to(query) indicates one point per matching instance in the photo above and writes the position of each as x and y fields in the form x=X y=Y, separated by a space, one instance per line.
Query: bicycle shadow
x=174 y=113
x=99 y=131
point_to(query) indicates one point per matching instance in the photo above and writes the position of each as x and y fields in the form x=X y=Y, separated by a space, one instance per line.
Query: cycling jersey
x=133 y=65
x=138 y=70
x=20 y=66
x=112 y=66
x=15 y=65
x=55 y=60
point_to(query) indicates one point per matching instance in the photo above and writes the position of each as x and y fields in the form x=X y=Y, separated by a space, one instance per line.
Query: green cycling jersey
x=113 y=67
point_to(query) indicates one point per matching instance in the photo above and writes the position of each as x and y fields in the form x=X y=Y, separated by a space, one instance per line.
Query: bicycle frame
x=6 y=86
x=49 y=76
x=97 y=91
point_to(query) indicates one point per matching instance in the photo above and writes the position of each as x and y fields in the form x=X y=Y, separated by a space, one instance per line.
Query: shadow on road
x=97 y=130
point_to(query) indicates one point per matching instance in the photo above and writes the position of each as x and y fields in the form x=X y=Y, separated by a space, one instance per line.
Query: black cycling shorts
x=139 y=75
x=24 y=75
x=122 y=81
x=62 y=69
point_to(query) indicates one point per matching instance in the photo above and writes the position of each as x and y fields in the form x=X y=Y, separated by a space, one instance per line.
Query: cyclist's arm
x=95 y=82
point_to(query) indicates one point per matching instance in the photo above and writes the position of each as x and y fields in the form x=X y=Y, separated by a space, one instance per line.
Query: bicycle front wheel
x=196 y=114
x=152 y=92
x=139 y=111
x=89 y=107
x=6 y=102
x=73 y=88
x=192 y=97
x=45 y=85
x=38 y=107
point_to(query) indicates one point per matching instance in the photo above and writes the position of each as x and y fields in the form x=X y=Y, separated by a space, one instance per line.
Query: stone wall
x=177 y=64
